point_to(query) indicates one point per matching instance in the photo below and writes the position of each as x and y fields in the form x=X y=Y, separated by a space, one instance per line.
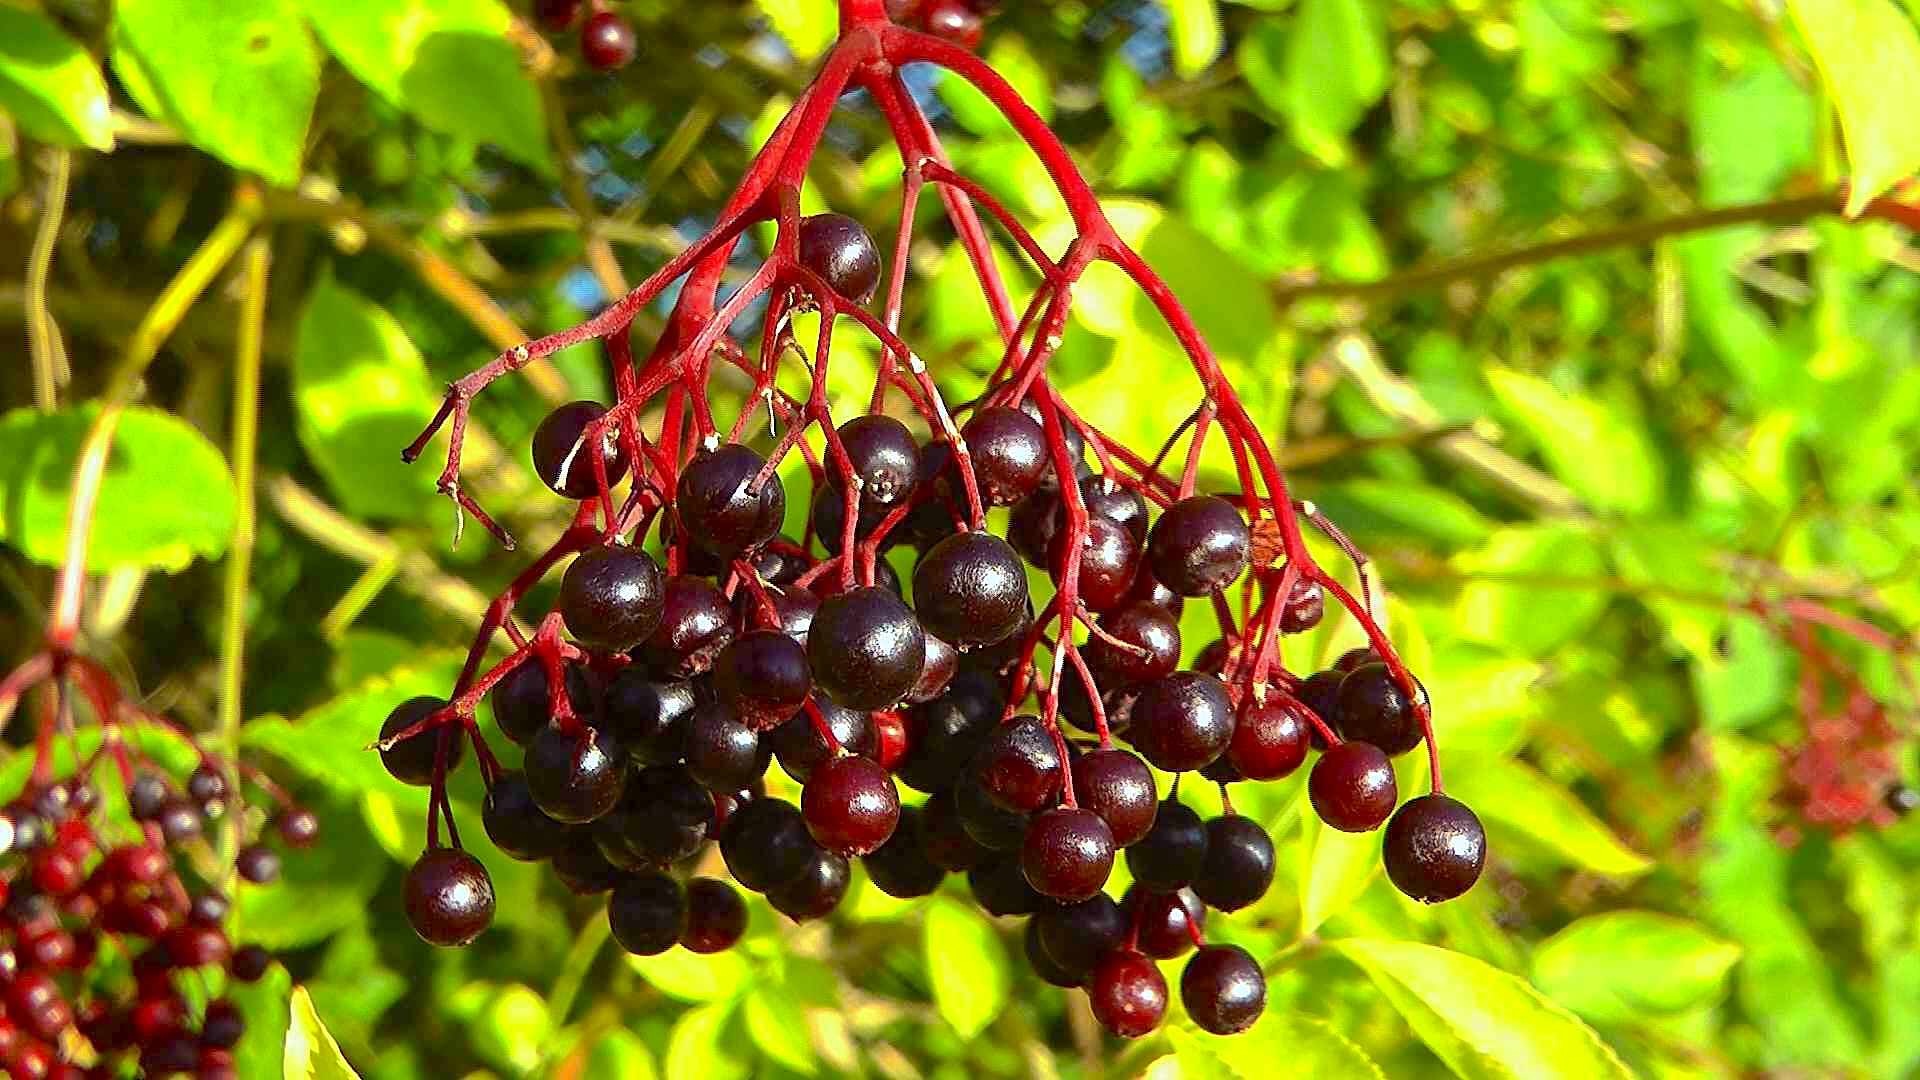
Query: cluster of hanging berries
x=607 y=41
x=86 y=890
x=1846 y=773
x=652 y=699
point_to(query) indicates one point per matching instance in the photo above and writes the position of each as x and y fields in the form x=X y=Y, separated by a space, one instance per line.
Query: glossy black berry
x=937 y=670
x=1154 y=636
x=992 y=826
x=1182 y=722
x=449 y=897
x=1239 y=864
x=1169 y=857
x=411 y=760
x=612 y=597
x=1270 y=739
x=515 y=824
x=943 y=735
x=900 y=867
x=696 y=622
x=298 y=827
x=1079 y=935
x=723 y=753
x=1009 y=453
x=665 y=816
x=560 y=458
x=971 y=589
x=1435 y=848
x=522 y=705
x=1018 y=765
x=764 y=677
x=647 y=913
x=866 y=648
x=1305 y=606
x=1373 y=708
x=716 y=916
x=148 y=793
x=999 y=885
x=607 y=42
x=1320 y=692
x=886 y=458
x=719 y=506
x=581 y=867
x=1068 y=853
x=850 y=805
x=800 y=747
x=1044 y=965
x=257 y=864
x=766 y=844
x=650 y=716
x=1128 y=994
x=1118 y=786
x=1223 y=989
x=1200 y=545
x=575 y=776
x=1165 y=922
x=1109 y=560
x=816 y=891
x=207 y=785
x=1352 y=787
x=843 y=253
x=944 y=838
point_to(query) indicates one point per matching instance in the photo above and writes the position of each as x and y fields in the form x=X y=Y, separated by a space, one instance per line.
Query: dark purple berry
x=612 y=597
x=716 y=916
x=1169 y=857
x=1435 y=848
x=1153 y=633
x=650 y=716
x=1008 y=449
x=1374 y=708
x=720 y=506
x=1128 y=994
x=575 y=776
x=766 y=844
x=1068 y=853
x=647 y=913
x=696 y=622
x=842 y=252
x=1118 y=786
x=764 y=677
x=1018 y=766
x=1352 y=787
x=971 y=589
x=900 y=867
x=1079 y=935
x=851 y=805
x=1270 y=739
x=816 y=891
x=1182 y=722
x=723 y=753
x=1200 y=545
x=1223 y=989
x=411 y=760
x=866 y=648
x=563 y=461
x=515 y=824
x=449 y=897
x=1239 y=864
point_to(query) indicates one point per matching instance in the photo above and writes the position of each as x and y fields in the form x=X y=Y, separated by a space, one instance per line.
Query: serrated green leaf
x=1310 y=1047
x=1196 y=33
x=967 y=965
x=311 y=1053
x=49 y=84
x=447 y=62
x=1628 y=965
x=1868 y=53
x=1336 y=68
x=237 y=78
x=152 y=452
x=1517 y=802
x=1481 y=1021
x=1600 y=452
x=362 y=392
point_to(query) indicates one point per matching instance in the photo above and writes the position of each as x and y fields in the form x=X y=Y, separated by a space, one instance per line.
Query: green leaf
x=512 y=1027
x=329 y=744
x=311 y=1053
x=696 y=1049
x=362 y=392
x=237 y=78
x=448 y=62
x=1481 y=1021
x=1519 y=803
x=324 y=891
x=262 y=1047
x=619 y=1055
x=49 y=83
x=1310 y=1047
x=1336 y=68
x=777 y=1024
x=1628 y=965
x=1335 y=867
x=807 y=26
x=689 y=976
x=152 y=452
x=1601 y=453
x=967 y=964
x=1868 y=54
x=1514 y=604
x=1196 y=34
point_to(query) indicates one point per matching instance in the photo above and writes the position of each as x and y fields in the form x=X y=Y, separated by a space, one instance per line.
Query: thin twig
x=43 y=334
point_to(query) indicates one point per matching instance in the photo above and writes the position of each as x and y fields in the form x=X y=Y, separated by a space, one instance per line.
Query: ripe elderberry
x=766 y=844
x=900 y=867
x=561 y=459
x=866 y=647
x=612 y=597
x=1128 y=994
x=1018 y=765
x=1223 y=989
x=1200 y=545
x=764 y=677
x=1183 y=722
x=449 y=897
x=1352 y=787
x=1118 y=786
x=843 y=253
x=607 y=42
x=1435 y=848
x=575 y=776
x=1270 y=740
x=817 y=890
x=1373 y=708
x=970 y=589
x=1170 y=856
x=883 y=453
x=1068 y=853
x=722 y=509
x=850 y=805
x=1009 y=452
x=647 y=913
x=1239 y=863
x=716 y=916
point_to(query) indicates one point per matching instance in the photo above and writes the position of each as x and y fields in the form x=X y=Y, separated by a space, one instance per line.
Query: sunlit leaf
x=1600 y=451
x=1309 y=1046
x=152 y=452
x=1868 y=53
x=1336 y=68
x=1481 y=1021
x=967 y=964
x=1624 y=965
x=1196 y=34
x=311 y=1053
x=49 y=84
x=1515 y=802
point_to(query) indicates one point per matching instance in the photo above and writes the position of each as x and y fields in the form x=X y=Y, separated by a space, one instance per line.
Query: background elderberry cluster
x=1548 y=306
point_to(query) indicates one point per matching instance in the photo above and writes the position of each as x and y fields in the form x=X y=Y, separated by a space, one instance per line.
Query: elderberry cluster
x=648 y=728
x=78 y=900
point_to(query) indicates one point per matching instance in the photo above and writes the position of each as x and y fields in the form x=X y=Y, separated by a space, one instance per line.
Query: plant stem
x=1792 y=208
x=245 y=436
x=43 y=334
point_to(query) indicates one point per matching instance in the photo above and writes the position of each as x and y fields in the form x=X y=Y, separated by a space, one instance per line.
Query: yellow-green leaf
x=49 y=83
x=1196 y=35
x=311 y=1053
x=1517 y=802
x=1868 y=54
x=1310 y=1048
x=1627 y=965
x=807 y=26
x=967 y=964
x=1481 y=1021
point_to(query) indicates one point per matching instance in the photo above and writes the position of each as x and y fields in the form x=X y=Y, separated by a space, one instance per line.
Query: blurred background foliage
x=1576 y=467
